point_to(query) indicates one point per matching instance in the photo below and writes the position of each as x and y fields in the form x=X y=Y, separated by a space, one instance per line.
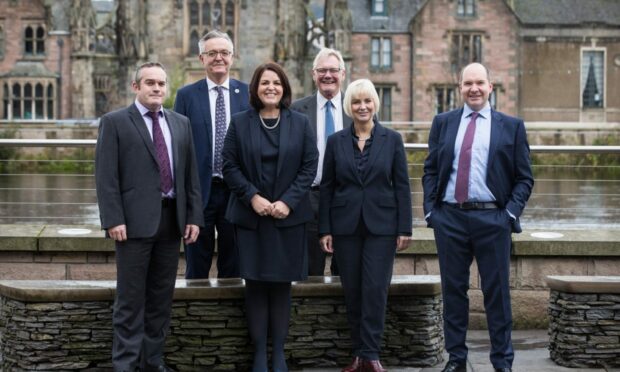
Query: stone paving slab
x=531 y=355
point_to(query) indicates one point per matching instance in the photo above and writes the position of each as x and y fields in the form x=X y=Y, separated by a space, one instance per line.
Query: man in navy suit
x=477 y=180
x=328 y=74
x=209 y=117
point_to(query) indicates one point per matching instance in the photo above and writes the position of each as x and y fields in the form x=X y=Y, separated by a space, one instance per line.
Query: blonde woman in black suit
x=364 y=217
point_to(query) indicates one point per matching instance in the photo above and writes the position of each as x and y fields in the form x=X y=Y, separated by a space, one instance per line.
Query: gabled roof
x=568 y=12
x=401 y=12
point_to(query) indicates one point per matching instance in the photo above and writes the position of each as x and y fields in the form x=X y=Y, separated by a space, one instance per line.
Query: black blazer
x=382 y=196
x=127 y=173
x=509 y=174
x=307 y=106
x=297 y=162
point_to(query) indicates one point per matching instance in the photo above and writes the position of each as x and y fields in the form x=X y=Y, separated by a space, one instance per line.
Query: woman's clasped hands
x=264 y=207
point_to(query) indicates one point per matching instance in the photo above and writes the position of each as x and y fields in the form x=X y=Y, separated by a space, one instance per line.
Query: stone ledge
x=584 y=284
x=200 y=289
x=47 y=238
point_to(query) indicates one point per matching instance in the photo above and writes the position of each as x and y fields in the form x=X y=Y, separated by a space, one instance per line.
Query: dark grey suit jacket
x=307 y=106
x=127 y=173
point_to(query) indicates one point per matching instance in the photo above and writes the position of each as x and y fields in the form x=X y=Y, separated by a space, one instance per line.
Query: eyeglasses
x=324 y=71
x=213 y=53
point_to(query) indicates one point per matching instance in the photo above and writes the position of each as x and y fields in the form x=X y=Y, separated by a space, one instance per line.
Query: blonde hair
x=360 y=87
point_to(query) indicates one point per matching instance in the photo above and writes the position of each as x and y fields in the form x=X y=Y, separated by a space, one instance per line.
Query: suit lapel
x=235 y=102
x=346 y=144
x=311 y=112
x=138 y=122
x=497 y=127
x=174 y=134
x=377 y=146
x=255 y=136
x=205 y=106
x=285 y=133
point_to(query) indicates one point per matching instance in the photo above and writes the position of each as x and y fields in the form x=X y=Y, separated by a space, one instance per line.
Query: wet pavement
x=531 y=355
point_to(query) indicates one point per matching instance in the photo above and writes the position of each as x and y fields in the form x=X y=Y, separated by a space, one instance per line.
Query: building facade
x=551 y=60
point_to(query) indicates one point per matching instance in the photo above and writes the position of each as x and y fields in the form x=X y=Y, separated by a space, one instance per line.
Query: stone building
x=550 y=59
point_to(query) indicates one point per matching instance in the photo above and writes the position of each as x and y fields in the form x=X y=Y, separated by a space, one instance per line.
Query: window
x=28 y=100
x=494 y=96
x=593 y=78
x=381 y=53
x=445 y=97
x=385 y=100
x=34 y=40
x=466 y=8
x=379 y=7
x=466 y=48
x=206 y=15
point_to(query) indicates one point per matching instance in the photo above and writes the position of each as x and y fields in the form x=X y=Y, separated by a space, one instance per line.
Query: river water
x=566 y=197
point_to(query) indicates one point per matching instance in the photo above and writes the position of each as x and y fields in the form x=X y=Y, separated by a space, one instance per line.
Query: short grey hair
x=360 y=86
x=138 y=76
x=326 y=52
x=214 y=34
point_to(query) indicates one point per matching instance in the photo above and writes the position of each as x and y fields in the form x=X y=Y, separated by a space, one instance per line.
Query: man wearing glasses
x=209 y=104
x=324 y=110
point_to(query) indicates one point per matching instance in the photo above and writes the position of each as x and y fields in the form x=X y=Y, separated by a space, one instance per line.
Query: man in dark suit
x=149 y=196
x=209 y=104
x=328 y=73
x=477 y=180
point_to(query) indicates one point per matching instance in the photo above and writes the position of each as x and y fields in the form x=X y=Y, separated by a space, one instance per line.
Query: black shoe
x=505 y=369
x=453 y=366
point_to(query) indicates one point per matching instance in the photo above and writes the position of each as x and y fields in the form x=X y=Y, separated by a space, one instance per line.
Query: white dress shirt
x=320 y=127
x=212 y=100
x=163 y=124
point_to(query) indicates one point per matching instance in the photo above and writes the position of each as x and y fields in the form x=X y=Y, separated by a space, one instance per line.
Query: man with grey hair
x=209 y=103
x=326 y=115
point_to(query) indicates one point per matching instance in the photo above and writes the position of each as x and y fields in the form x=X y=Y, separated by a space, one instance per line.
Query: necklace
x=267 y=126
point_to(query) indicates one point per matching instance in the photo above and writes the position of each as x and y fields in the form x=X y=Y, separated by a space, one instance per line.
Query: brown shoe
x=355 y=365
x=372 y=366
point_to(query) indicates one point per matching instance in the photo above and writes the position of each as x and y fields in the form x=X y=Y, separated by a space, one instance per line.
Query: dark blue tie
x=330 y=128
x=220 y=130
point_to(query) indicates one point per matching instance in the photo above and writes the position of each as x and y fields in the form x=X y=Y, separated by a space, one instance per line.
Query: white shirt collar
x=485 y=112
x=321 y=101
x=143 y=110
x=224 y=85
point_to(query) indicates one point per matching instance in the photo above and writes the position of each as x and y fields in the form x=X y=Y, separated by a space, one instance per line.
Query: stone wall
x=208 y=327
x=584 y=329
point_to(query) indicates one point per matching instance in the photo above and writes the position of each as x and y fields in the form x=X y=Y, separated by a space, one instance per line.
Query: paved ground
x=531 y=355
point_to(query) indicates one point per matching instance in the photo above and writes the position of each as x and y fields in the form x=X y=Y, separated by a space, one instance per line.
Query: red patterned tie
x=165 y=172
x=461 y=190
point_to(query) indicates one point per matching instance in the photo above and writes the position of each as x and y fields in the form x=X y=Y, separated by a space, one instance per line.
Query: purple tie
x=220 y=130
x=461 y=190
x=165 y=172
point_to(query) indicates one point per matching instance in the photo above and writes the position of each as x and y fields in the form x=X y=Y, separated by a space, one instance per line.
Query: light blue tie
x=330 y=128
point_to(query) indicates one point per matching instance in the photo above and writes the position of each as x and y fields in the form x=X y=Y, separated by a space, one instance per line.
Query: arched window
x=38 y=101
x=28 y=99
x=40 y=41
x=230 y=13
x=206 y=14
x=17 y=101
x=28 y=111
x=28 y=40
x=217 y=15
x=5 y=101
x=193 y=43
x=193 y=13
x=51 y=97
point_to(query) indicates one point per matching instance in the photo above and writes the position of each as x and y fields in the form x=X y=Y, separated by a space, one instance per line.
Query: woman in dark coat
x=364 y=217
x=270 y=160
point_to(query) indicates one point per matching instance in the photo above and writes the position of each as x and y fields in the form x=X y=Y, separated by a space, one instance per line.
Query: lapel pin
x=237 y=90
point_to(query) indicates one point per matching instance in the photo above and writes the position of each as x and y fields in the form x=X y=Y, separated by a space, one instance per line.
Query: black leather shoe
x=505 y=369
x=455 y=367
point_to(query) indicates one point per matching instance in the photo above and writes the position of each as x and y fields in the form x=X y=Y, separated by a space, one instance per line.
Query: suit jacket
x=296 y=169
x=381 y=196
x=193 y=102
x=509 y=174
x=307 y=106
x=127 y=173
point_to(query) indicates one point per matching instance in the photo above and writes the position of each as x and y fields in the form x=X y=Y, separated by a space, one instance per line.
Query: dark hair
x=255 y=101
x=137 y=76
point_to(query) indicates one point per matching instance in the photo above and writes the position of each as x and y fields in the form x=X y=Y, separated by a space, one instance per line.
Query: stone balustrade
x=584 y=321
x=66 y=325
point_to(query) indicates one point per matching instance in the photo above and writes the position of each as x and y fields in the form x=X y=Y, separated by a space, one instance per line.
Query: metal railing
x=579 y=196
